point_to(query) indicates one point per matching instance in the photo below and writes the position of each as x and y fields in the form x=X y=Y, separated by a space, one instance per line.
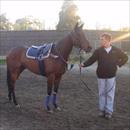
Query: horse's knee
x=56 y=84
x=55 y=90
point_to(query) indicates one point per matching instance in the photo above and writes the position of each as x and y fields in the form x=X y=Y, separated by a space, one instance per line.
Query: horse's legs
x=12 y=76
x=11 y=85
x=56 y=86
x=50 y=82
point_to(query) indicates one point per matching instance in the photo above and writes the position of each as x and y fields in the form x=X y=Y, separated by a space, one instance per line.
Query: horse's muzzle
x=89 y=49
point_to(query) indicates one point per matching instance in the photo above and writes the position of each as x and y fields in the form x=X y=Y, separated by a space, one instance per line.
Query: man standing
x=108 y=58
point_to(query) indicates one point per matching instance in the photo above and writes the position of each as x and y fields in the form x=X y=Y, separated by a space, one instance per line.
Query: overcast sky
x=114 y=14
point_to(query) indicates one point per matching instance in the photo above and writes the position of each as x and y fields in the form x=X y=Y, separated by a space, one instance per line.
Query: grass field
x=2 y=61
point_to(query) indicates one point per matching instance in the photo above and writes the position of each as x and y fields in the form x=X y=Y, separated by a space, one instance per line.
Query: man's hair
x=107 y=36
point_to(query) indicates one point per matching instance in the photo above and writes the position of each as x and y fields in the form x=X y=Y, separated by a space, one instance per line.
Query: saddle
x=40 y=52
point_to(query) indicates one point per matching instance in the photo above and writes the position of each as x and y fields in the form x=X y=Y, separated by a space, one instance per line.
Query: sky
x=95 y=14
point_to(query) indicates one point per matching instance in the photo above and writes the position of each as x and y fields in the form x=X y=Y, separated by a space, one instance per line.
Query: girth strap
x=41 y=67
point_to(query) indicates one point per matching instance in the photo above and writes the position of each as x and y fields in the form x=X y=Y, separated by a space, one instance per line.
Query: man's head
x=105 y=40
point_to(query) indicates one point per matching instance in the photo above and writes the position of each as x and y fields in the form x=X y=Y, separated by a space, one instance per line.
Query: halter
x=75 y=39
x=76 y=42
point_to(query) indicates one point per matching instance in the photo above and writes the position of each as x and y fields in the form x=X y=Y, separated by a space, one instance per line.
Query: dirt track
x=79 y=105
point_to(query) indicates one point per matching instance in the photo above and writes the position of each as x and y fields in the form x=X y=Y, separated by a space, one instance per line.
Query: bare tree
x=68 y=16
x=5 y=24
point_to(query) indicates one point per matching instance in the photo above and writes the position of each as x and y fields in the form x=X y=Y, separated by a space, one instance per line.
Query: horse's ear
x=81 y=26
x=76 y=26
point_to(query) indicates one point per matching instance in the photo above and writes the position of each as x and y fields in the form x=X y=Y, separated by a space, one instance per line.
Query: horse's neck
x=65 y=46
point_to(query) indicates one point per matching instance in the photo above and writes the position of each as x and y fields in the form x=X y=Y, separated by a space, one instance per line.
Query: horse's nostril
x=89 y=48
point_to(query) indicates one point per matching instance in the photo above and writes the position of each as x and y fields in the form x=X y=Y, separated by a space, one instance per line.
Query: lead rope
x=84 y=83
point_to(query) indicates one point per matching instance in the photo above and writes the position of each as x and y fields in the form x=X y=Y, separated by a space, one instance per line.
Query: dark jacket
x=107 y=62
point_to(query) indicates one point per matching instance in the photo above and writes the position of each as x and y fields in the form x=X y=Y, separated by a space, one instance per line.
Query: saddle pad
x=39 y=52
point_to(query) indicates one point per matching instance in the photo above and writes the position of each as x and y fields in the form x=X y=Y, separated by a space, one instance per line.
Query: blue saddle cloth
x=39 y=52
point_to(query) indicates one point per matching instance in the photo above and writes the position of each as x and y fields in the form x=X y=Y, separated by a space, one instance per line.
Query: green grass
x=76 y=58
x=2 y=62
x=128 y=53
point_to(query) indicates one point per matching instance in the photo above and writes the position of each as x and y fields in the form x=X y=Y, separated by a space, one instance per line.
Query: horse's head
x=79 y=39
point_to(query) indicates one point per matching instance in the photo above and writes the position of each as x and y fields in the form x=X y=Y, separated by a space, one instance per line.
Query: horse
x=54 y=68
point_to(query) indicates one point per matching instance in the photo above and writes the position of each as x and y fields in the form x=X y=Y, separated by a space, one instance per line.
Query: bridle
x=75 y=43
x=75 y=39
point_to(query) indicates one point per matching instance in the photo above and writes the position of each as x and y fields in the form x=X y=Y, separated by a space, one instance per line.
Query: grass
x=76 y=58
x=128 y=53
x=2 y=62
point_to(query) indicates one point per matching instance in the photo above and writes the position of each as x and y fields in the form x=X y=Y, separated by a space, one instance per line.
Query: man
x=108 y=58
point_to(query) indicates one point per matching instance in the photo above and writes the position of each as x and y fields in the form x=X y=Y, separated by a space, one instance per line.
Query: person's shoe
x=108 y=116
x=101 y=114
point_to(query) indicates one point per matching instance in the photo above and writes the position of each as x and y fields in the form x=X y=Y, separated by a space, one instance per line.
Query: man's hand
x=81 y=65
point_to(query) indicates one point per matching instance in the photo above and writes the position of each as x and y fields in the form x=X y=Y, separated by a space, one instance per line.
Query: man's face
x=104 y=42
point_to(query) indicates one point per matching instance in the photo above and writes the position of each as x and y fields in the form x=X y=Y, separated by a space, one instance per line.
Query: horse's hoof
x=17 y=106
x=50 y=111
x=58 y=109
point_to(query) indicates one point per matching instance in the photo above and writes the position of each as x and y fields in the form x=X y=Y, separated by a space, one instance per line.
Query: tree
x=4 y=23
x=68 y=16
x=125 y=29
x=27 y=23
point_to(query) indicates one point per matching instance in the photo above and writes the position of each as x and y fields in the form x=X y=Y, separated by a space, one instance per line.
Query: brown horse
x=54 y=67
